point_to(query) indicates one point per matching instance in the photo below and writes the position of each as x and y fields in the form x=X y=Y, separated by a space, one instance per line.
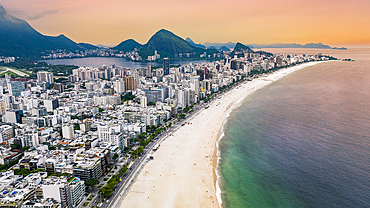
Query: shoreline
x=184 y=172
x=276 y=75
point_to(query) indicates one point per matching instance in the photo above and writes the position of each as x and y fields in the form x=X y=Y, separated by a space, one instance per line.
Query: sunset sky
x=333 y=22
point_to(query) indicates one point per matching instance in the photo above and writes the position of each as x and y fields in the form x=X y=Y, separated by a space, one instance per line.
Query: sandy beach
x=183 y=172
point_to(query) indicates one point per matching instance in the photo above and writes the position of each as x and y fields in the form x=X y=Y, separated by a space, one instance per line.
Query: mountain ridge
x=195 y=44
x=19 y=38
x=167 y=44
x=128 y=45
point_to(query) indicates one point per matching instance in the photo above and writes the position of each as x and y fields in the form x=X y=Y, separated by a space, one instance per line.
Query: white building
x=30 y=139
x=68 y=131
x=44 y=76
x=119 y=86
x=57 y=189
x=77 y=188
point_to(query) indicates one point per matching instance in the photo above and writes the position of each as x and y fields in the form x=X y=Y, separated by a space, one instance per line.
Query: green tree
x=142 y=135
x=92 y=182
x=151 y=103
x=25 y=148
x=76 y=126
x=115 y=156
x=112 y=182
x=15 y=146
x=123 y=170
x=105 y=191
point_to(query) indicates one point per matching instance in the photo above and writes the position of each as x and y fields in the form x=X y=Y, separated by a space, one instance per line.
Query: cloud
x=41 y=15
x=26 y=16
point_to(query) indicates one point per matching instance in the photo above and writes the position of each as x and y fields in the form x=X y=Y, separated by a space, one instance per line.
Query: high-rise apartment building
x=149 y=70
x=15 y=88
x=68 y=131
x=44 y=76
x=2 y=107
x=119 y=86
x=129 y=82
x=166 y=66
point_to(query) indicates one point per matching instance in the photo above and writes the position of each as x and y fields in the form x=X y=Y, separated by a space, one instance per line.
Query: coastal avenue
x=129 y=177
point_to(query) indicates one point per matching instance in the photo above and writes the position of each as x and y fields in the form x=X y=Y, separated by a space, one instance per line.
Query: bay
x=121 y=62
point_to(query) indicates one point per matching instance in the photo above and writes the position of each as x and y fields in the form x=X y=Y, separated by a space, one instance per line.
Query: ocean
x=302 y=141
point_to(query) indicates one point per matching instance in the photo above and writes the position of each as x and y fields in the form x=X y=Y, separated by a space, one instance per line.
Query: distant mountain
x=224 y=48
x=241 y=49
x=219 y=45
x=342 y=48
x=168 y=44
x=18 y=38
x=194 y=44
x=128 y=45
x=292 y=45
x=88 y=46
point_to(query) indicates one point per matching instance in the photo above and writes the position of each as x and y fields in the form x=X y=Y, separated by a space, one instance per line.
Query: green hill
x=168 y=44
x=88 y=46
x=18 y=38
x=241 y=49
x=127 y=45
x=194 y=44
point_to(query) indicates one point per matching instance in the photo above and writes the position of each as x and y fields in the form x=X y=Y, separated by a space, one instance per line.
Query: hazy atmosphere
x=338 y=23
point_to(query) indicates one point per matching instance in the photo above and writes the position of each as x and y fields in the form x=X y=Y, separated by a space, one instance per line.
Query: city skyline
x=337 y=23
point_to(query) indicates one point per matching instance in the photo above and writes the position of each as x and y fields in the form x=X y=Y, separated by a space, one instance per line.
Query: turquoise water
x=302 y=141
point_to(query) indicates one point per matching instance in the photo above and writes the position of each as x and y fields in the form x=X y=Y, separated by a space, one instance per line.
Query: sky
x=108 y=22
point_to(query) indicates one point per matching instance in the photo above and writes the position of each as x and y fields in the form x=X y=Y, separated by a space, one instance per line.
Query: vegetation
x=127 y=97
x=128 y=45
x=12 y=74
x=11 y=163
x=18 y=38
x=142 y=135
x=25 y=172
x=25 y=148
x=112 y=182
x=115 y=156
x=138 y=151
x=76 y=126
x=92 y=182
x=90 y=197
x=122 y=171
x=15 y=146
x=75 y=117
x=105 y=191
x=168 y=44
